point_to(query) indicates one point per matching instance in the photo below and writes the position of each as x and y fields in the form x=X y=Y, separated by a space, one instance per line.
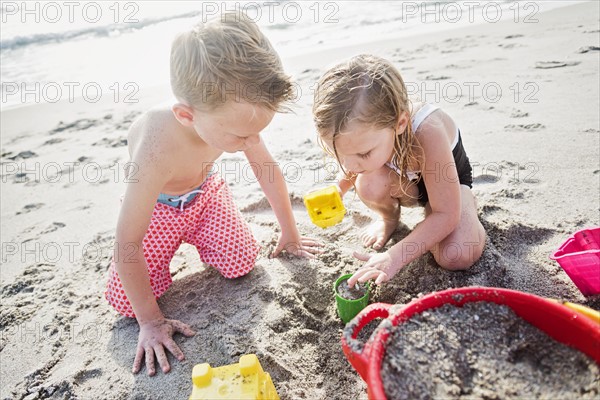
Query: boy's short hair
x=225 y=59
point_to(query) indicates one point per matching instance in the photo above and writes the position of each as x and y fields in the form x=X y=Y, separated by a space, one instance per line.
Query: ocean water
x=52 y=50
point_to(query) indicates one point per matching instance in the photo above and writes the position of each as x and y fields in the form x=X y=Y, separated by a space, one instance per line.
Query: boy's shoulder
x=157 y=125
x=155 y=120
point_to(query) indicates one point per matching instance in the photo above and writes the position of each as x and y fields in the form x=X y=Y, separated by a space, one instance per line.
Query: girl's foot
x=378 y=233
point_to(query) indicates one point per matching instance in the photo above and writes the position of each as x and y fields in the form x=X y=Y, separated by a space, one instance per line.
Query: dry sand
x=536 y=173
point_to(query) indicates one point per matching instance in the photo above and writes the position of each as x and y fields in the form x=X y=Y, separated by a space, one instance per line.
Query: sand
x=482 y=350
x=351 y=293
x=537 y=179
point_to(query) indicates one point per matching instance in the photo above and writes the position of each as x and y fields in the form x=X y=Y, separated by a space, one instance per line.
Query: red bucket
x=557 y=321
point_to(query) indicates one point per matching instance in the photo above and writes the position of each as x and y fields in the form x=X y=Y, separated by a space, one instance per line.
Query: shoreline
x=418 y=32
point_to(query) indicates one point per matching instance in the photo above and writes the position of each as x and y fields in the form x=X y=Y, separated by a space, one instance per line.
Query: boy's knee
x=236 y=263
x=238 y=270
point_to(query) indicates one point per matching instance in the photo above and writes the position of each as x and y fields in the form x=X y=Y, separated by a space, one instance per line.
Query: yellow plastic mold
x=325 y=206
x=244 y=381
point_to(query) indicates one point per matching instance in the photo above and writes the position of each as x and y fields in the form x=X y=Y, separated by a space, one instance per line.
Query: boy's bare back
x=157 y=141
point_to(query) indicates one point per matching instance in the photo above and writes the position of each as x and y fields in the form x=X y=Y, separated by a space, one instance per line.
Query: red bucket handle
x=359 y=358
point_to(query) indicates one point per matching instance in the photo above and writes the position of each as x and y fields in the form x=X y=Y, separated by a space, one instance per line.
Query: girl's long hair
x=369 y=90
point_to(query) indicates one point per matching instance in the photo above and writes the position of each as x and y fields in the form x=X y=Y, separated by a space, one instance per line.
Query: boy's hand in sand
x=378 y=266
x=155 y=335
x=300 y=246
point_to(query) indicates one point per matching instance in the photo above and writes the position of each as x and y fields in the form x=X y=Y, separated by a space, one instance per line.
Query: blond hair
x=228 y=58
x=369 y=90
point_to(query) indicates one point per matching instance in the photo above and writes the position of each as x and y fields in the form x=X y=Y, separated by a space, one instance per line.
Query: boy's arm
x=273 y=184
x=130 y=263
x=144 y=183
x=134 y=219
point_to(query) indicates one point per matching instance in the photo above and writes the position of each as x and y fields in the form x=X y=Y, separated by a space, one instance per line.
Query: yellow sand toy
x=243 y=381
x=325 y=206
x=588 y=312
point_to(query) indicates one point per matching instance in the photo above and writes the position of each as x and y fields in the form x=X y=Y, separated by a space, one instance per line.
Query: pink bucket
x=579 y=256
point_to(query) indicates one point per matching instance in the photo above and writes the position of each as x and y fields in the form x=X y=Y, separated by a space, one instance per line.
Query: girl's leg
x=380 y=191
x=463 y=247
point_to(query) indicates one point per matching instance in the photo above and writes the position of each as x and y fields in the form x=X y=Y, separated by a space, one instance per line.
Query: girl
x=398 y=153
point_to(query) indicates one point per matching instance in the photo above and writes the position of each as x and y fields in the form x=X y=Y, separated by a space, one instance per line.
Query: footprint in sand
x=79 y=125
x=361 y=220
x=35 y=278
x=587 y=49
x=23 y=155
x=84 y=375
x=53 y=227
x=22 y=177
x=486 y=178
x=126 y=122
x=30 y=207
x=116 y=142
x=437 y=78
x=555 y=64
x=510 y=45
x=519 y=114
x=53 y=141
x=525 y=127
x=310 y=75
x=85 y=207
x=514 y=193
x=83 y=159
x=490 y=208
x=98 y=257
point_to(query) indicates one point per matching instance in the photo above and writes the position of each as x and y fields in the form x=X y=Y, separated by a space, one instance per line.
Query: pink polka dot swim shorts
x=211 y=222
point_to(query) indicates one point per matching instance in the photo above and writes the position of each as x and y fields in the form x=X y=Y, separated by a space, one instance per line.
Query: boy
x=229 y=82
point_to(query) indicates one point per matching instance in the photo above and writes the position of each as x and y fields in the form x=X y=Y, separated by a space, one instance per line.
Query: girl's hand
x=297 y=245
x=155 y=336
x=379 y=266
